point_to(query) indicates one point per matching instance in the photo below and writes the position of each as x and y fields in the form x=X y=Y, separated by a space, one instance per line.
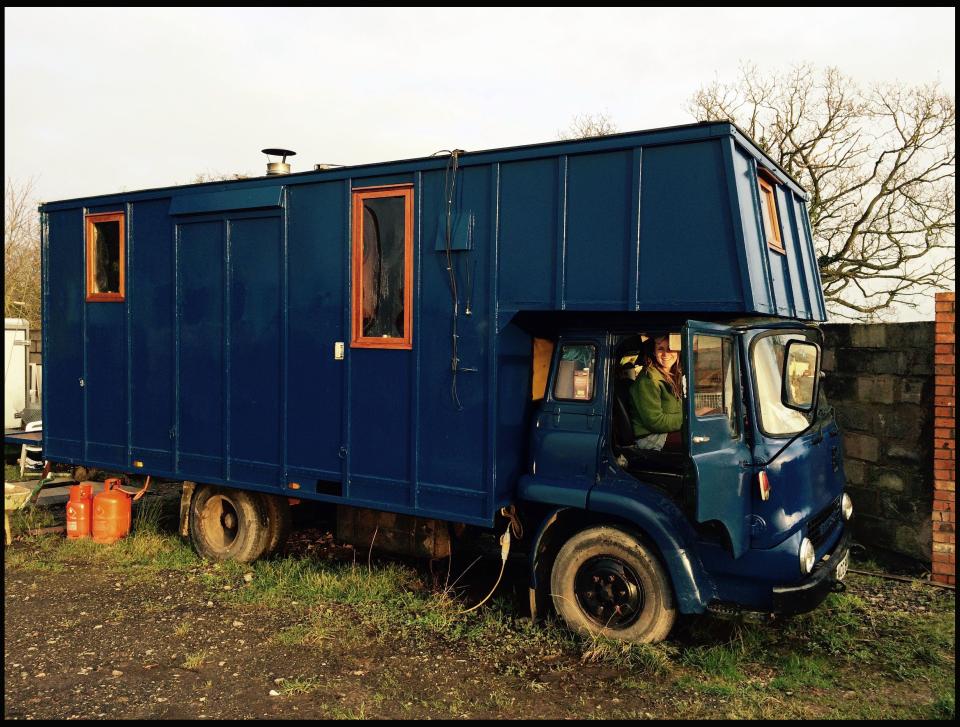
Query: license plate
x=842 y=566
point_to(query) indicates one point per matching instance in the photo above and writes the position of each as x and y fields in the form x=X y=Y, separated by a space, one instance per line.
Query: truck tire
x=605 y=581
x=227 y=524
x=278 y=522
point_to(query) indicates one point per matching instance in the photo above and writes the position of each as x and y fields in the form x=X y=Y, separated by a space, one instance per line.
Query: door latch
x=700 y=439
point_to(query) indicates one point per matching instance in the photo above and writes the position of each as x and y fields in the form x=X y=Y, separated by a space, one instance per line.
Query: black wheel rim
x=609 y=592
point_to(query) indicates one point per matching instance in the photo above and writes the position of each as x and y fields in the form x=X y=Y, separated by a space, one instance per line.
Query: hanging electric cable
x=449 y=192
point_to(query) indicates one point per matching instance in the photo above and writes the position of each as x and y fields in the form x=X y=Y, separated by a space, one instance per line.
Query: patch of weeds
x=299 y=685
x=653 y=660
x=147 y=515
x=943 y=708
x=345 y=713
x=719 y=661
x=183 y=628
x=797 y=672
x=194 y=661
x=30 y=518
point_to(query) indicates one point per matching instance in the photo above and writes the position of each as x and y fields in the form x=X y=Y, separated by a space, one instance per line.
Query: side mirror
x=801 y=375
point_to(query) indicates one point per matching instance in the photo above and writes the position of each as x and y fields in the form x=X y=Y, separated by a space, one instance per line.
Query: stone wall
x=880 y=379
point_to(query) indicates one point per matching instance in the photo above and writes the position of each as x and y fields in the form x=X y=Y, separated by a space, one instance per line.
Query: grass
x=193 y=662
x=300 y=685
x=898 y=663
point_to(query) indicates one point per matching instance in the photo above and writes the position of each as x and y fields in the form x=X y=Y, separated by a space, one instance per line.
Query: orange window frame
x=358 y=340
x=91 y=220
x=768 y=203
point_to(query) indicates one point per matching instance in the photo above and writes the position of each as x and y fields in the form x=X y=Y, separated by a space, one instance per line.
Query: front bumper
x=819 y=584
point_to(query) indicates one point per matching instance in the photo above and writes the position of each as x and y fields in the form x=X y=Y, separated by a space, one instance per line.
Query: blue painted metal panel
x=255 y=307
x=201 y=384
x=316 y=299
x=106 y=382
x=687 y=256
x=63 y=311
x=457 y=417
x=513 y=411
x=234 y=199
x=792 y=242
x=150 y=299
x=598 y=232
x=380 y=433
x=754 y=272
x=527 y=235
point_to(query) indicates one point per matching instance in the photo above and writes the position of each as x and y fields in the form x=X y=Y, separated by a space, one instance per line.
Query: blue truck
x=449 y=342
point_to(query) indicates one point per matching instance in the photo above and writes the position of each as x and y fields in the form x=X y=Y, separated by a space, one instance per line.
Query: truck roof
x=649 y=137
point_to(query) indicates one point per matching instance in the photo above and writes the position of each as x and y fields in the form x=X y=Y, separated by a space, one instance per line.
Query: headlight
x=807 y=556
x=846 y=506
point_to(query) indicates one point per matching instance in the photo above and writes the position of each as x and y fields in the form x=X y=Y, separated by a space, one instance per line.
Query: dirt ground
x=83 y=641
x=81 y=644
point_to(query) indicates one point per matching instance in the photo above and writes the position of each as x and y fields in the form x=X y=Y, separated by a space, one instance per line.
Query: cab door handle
x=700 y=439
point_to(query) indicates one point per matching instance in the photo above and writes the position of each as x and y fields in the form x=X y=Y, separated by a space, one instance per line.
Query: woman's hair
x=672 y=376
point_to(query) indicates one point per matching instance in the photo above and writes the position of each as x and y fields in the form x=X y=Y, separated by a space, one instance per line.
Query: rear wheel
x=605 y=581
x=227 y=524
x=278 y=522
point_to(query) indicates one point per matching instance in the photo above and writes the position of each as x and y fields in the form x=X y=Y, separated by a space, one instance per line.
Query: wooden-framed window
x=768 y=211
x=106 y=257
x=382 y=312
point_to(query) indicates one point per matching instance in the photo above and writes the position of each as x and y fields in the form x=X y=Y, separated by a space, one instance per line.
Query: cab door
x=567 y=430
x=715 y=438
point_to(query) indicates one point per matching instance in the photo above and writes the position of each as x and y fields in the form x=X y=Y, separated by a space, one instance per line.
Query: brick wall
x=880 y=379
x=945 y=442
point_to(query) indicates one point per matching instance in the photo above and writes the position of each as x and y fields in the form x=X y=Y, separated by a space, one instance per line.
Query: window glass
x=383 y=267
x=575 y=373
x=768 y=364
x=105 y=256
x=713 y=376
x=771 y=225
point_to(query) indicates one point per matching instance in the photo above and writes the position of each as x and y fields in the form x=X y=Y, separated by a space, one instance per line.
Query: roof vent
x=275 y=168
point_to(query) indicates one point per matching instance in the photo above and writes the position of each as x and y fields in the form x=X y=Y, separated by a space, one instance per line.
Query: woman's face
x=665 y=357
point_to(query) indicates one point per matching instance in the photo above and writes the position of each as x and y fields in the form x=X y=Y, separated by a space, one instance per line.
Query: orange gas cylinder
x=111 y=513
x=80 y=510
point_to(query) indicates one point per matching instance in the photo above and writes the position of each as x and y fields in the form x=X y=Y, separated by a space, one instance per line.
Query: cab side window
x=575 y=373
x=713 y=377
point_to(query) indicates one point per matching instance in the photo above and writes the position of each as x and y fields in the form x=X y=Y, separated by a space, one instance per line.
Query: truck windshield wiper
x=824 y=414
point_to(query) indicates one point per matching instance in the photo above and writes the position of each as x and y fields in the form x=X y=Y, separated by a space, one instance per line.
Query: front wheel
x=605 y=581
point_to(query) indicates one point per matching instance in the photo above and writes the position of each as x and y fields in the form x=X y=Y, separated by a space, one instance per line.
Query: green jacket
x=653 y=406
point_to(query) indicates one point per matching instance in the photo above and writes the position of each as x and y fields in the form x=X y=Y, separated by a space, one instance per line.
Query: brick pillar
x=945 y=442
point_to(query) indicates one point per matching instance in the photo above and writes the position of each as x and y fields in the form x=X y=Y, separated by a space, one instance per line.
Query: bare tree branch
x=879 y=164
x=584 y=126
x=21 y=252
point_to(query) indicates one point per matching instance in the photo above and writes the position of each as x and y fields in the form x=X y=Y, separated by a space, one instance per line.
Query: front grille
x=823 y=523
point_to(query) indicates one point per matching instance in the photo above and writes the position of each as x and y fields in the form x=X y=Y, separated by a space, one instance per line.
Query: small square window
x=575 y=373
x=768 y=210
x=106 y=257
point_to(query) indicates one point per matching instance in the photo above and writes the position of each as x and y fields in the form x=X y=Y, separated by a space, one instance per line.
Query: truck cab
x=747 y=512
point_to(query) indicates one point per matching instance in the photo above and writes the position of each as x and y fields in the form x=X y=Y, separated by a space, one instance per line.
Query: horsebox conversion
x=448 y=341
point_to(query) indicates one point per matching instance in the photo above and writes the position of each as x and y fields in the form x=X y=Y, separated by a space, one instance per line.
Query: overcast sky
x=102 y=100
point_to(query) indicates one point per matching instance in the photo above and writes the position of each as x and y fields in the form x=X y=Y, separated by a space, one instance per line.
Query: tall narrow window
x=768 y=210
x=105 y=257
x=383 y=267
